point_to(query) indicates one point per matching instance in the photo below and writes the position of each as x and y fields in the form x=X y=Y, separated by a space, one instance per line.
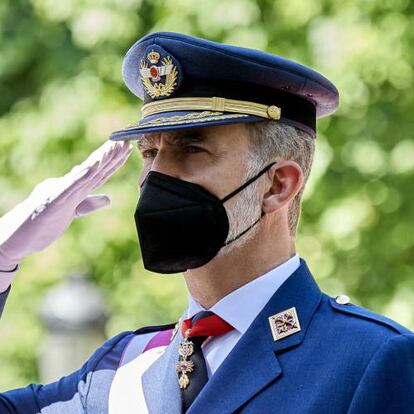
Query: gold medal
x=185 y=366
x=186 y=349
x=183 y=381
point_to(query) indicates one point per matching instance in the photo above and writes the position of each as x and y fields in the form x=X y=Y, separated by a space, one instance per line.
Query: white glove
x=53 y=204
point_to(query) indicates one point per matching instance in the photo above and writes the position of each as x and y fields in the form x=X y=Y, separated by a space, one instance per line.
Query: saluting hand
x=54 y=203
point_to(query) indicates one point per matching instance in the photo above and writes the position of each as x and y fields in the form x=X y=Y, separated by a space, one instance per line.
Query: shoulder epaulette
x=341 y=303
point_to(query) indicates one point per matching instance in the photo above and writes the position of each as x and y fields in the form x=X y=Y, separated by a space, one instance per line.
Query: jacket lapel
x=253 y=364
x=160 y=380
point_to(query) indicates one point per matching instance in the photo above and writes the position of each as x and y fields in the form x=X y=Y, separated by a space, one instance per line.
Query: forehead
x=223 y=135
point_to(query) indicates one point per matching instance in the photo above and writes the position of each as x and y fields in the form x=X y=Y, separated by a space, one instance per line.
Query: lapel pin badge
x=284 y=323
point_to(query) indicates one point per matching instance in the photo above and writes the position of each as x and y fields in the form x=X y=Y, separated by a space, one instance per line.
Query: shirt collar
x=240 y=307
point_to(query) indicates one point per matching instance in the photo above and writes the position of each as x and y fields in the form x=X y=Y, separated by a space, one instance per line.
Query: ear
x=286 y=180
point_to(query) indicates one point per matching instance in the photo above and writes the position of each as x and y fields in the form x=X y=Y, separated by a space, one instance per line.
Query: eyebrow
x=179 y=138
x=145 y=140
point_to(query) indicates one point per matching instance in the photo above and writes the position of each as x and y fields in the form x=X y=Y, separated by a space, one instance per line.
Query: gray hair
x=271 y=141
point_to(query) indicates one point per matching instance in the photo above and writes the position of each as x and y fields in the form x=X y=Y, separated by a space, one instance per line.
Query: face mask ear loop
x=244 y=231
x=241 y=188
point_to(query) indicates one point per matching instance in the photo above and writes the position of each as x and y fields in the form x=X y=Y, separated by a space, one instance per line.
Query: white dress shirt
x=239 y=308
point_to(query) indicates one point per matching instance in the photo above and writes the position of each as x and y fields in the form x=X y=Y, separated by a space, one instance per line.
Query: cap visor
x=169 y=121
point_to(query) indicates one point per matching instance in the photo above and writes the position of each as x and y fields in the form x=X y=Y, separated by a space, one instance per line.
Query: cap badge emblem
x=158 y=80
x=284 y=323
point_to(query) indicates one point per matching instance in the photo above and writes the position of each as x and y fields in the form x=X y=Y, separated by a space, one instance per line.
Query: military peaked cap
x=187 y=82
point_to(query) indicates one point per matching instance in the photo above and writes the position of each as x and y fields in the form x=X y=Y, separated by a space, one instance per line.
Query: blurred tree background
x=61 y=94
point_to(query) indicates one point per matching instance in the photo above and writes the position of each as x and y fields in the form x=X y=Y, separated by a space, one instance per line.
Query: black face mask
x=181 y=225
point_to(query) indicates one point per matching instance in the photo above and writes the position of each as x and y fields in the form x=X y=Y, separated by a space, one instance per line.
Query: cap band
x=217 y=104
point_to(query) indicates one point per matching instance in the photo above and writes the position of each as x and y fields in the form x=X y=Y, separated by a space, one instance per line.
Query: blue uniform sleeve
x=69 y=395
x=3 y=298
x=387 y=386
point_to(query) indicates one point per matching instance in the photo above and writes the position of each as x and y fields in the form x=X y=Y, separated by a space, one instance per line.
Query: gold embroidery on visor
x=186 y=119
x=212 y=104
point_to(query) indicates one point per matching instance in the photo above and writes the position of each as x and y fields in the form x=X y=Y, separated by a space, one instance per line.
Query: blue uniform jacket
x=345 y=359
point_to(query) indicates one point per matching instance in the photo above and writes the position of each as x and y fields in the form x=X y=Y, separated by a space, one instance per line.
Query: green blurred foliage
x=61 y=94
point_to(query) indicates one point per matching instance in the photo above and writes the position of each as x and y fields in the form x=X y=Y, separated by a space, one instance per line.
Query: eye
x=191 y=149
x=149 y=153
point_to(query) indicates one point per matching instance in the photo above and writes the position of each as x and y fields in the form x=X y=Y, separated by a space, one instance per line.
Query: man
x=227 y=138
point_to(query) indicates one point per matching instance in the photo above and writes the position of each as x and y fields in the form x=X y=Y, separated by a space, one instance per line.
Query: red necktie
x=205 y=323
x=191 y=366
